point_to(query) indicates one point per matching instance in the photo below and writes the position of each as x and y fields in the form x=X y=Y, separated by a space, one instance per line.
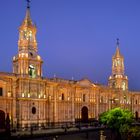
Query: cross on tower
x=117 y=41
x=28 y=3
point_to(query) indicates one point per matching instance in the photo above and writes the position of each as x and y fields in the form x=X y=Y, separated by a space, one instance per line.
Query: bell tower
x=27 y=62
x=118 y=79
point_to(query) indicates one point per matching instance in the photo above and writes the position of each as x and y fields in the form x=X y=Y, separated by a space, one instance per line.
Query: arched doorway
x=84 y=114
x=136 y=115
x=2 y=119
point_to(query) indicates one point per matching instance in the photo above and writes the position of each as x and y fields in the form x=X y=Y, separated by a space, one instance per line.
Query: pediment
x=85 y=83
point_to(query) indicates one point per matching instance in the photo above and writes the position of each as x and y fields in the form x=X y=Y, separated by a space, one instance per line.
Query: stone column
x=14 y=105
x=98 y=104
x=73 y=96
x=55 y=117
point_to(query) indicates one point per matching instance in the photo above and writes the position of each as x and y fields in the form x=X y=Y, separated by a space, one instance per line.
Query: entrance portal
x=2 y=119
x=84 y=114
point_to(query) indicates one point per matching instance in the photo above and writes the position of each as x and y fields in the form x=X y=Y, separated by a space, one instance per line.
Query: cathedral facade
x=29 y=99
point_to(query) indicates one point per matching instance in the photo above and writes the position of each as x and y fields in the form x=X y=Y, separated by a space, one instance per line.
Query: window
x=84 y=97
x=33 y=110
x=31 y=53
x=32 y=71
x=62 y=96
x=123 y=85
x=101 y=99
x=1 y=91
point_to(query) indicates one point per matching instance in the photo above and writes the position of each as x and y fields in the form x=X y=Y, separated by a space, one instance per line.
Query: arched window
x=84 y=97
x=33 y=110
x=31 y=54
x=32 y=71
x=136 y=102
x=62 y=96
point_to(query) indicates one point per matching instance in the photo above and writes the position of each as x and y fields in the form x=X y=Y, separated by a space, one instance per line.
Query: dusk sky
x=76 y=38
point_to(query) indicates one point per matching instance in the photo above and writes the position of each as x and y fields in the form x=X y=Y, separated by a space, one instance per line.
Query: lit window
x=49 y=97
x=123 y=85
x=59 y=97
x=9 y=94
x=38 y=57
x=39 y=96
x=44 y=96
x=28 y=95
x=22 y=94
x=26 y=54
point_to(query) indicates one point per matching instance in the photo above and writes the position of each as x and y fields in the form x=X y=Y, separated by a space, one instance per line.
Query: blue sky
x=76 y=38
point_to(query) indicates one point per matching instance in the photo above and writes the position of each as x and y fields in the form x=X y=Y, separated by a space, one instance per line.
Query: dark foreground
x=62 y=134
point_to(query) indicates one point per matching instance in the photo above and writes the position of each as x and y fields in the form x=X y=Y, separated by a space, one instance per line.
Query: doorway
x=2 y=119
x=84 y=114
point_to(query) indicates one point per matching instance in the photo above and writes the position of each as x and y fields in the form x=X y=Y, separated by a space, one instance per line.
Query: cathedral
x=29 y=99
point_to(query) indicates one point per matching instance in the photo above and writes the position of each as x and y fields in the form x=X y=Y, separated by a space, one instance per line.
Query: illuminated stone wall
x=31 y=99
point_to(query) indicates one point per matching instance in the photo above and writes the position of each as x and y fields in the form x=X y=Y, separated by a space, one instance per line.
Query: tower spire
x=27 y=20
x=117 y=53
